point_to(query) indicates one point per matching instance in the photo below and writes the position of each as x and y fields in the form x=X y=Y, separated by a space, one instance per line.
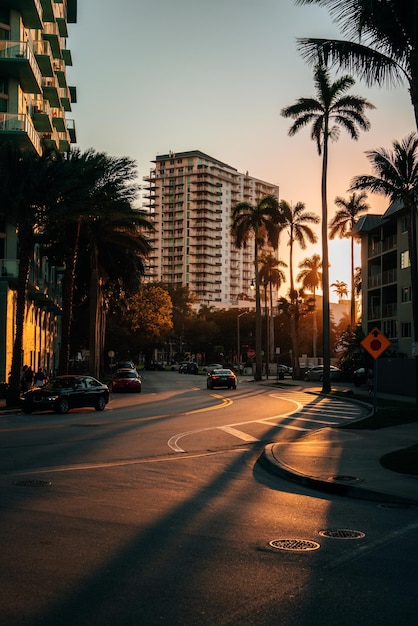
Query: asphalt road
x=156 y=511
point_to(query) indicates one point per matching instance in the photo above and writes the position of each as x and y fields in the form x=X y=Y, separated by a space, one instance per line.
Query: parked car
x=188 y=368
x=283 y=368
x=317 y=373
x=64 y=393
x=360 y=376
x=221 y=378
x=212 y=366
x=126 y=380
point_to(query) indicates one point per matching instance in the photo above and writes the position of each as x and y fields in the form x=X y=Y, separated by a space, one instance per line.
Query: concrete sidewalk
x=347 y=462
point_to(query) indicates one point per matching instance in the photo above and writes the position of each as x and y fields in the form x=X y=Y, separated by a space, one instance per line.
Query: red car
x=126 y=380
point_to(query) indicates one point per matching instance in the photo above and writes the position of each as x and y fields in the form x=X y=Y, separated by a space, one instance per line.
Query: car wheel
x=63 y=406
x=101 y=403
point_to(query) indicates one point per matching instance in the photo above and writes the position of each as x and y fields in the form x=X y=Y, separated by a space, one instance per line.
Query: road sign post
x=375 y=343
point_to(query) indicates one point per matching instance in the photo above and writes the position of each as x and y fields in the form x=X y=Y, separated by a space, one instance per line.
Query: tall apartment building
x=386 y=290
x=189 y=196
x=34 y=102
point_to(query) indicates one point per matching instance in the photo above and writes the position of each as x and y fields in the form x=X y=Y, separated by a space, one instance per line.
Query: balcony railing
x=20 y=124
x=389 y=276
x=19 y=62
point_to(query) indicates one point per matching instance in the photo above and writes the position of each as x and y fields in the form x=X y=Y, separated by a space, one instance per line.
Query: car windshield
x=125 y=375
x=60 y=383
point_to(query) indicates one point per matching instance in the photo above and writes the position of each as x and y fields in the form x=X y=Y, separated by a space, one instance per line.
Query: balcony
x=51 y=33
x=17 y=60
x=42 y=116
x=48 y=10
x=43 y=56
x=30 y=10
x=19 y=129
x=389 y=276
x=71 y=131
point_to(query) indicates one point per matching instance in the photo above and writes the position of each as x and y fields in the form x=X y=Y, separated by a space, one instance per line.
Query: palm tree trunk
x=352 y=302
x=314 y=329
x=412 y=244
x=95 y=317
x=258 y=321
x=326 y=383
x=293 y=321
x=72 y=237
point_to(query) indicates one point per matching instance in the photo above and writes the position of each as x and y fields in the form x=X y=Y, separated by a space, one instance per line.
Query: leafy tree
x=259 y=223
x=311 y=278
x=295 y=308
x=382 y=42
x=332 y=109
x=297 y=224
x=343 y=224
x=396 y=176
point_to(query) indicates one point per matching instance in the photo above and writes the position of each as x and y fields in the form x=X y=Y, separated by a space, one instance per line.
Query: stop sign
x=251 y=353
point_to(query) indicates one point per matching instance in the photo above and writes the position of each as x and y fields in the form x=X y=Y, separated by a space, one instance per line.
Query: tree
x=397 y=178
x=259 y=223
x=28 y=188
x=382 y=42
x=340 y=288
x=333 y=109
x=271 y=275
x=297 y=223
x=311 y=278
x=342 y=225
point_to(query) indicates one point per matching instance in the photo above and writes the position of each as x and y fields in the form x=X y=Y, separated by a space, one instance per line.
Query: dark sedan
x=126 y=380
x=221 y=378
x=64 y=393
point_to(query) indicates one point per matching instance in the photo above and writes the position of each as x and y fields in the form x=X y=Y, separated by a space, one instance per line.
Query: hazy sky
x=213 y=75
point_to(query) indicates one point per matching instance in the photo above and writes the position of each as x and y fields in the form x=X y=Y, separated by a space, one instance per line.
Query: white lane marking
x=237 y=433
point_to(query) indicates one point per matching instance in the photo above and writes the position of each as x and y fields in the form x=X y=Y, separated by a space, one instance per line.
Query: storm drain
x=342 y=533
x=297 y=545
x=32 y=483
x=346 y=479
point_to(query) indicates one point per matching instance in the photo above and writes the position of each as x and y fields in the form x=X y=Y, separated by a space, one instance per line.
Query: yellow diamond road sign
x=375 y=343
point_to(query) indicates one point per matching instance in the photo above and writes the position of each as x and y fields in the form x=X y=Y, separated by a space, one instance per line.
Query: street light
x=239 y=342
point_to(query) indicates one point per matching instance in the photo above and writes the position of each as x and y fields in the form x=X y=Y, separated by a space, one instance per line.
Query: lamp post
x=239 y=341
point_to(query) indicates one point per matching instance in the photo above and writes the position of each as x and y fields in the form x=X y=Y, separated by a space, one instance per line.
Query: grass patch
x=403 y=461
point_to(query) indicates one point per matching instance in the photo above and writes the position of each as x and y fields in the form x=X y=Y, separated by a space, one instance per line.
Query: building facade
x=189 y=196
x=387 y=292
x=35 y=100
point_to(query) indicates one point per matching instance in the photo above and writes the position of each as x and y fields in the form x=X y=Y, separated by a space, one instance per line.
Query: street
x=156 y=511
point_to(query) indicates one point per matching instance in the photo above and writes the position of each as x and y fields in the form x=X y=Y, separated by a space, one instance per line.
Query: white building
x=190 y=196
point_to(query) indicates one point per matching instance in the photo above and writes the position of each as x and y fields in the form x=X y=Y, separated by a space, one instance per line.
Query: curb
x=273 y=465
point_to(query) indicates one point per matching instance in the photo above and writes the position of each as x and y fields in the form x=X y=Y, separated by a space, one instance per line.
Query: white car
x=317 y=373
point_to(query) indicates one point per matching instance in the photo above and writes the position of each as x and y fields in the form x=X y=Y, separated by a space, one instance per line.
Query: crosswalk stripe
x=237 y=433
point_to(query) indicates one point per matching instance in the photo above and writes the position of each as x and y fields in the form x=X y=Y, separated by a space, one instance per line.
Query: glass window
x=406 y=294
x=405 y=262
x=406 y=329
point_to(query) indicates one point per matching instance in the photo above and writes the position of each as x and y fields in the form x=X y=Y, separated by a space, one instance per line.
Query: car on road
x=221 y=378
x=317 y=373
x=63 y=393
x=360 y=376
x=123 y=364
x=212 y=366
x=126 y=380
x=188 y=368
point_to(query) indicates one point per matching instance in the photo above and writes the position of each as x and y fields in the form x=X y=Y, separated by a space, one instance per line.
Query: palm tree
x=333 y=108
x=342 y=225
x=259 y=224
x=297 y=223
x=311 y=278
x=389 y=52
x=340 y=288
x=397 y=178
x=271 y=275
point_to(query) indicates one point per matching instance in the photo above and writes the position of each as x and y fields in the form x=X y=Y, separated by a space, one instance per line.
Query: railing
x=20 y=50
x=18 y=122
x=389 y=276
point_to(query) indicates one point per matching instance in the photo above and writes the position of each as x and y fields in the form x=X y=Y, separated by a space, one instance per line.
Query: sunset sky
x=160 y=75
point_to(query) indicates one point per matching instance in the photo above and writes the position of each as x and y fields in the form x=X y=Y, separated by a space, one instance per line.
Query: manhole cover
x=32 y=483
x=342 y=533
x=347 y=479
x=298 y=545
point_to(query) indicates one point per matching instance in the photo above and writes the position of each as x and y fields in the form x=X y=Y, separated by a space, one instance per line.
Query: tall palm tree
x=297 y=224
x=342 y=224
x=311 y=278
x=258 y=224
x=332 y=109
x=396 y=177
x=271 y=275
x=340 y=288
x=28 y=188
x=382 y=44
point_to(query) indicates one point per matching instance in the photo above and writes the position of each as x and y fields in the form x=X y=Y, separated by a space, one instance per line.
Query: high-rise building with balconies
x=189 y=196
x=34 y=102
x=34 y=94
